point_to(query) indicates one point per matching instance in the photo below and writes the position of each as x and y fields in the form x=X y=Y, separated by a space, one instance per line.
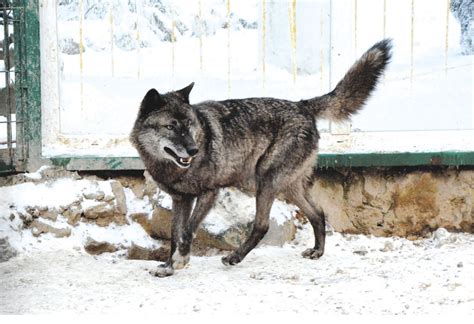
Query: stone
x=161 y=221
x=38 y=228
x=6 y=250
x=73 y=215
x=279 y=234
x=136 y=252
x=228 y=228
x=143 y=220
x=387 y=247
x=94 y=195
x=95 y=247
x=99 y=210
x=119 y=194
x=50 y=214
x=150 y=187
x=361 y=250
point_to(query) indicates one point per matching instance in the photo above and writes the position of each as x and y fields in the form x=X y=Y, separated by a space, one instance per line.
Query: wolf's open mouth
x=182 y=162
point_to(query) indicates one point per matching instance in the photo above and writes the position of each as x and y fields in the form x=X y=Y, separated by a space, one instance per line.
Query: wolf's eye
x=188 y=122
x=169 y=127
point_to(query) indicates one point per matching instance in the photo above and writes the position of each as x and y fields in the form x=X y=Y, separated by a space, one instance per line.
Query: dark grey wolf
x=263 y=144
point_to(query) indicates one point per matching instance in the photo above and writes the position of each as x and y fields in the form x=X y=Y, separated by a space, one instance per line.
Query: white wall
x=90 y=99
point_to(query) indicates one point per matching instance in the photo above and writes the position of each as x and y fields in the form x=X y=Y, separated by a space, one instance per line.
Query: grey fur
x=262 y=144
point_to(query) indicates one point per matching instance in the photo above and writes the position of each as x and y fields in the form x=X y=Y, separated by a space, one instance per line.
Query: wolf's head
x=167 y=127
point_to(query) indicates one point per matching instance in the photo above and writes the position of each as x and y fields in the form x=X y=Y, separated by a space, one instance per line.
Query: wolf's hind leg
x=317 y=219
x=265 y=196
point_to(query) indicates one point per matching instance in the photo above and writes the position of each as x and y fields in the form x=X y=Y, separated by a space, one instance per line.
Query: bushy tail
x=355 y=88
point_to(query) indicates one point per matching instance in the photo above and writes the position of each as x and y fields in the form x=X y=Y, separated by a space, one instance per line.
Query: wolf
x=265 y=145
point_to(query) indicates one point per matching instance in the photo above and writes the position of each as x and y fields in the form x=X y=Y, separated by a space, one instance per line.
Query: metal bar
x=264 y=41
x=446 y=37
x=6 y=60
x=19 y=31
x=351 y=160
x=229 y=53
x=412 y=40
x=293 y=38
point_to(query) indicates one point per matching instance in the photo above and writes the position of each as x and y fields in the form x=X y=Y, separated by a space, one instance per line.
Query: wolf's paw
x=312 y=253
x=162 y=271
x=231 y=259
x=180 y=261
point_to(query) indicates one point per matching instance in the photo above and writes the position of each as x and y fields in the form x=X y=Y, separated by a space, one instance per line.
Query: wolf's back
x=355 y=88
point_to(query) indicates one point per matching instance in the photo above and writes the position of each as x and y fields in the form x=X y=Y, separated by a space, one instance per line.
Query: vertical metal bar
x=173 y=40
x=137 y=24
x=355 y=27
x=200 y=35
x=446 y=37
x=321 y=50
x=264 y=41
x=384 y=31
x=330 y=46
x=81 y=51
x=6 y=60
x=18 y=32
x=228 y=48
x=412 y=38
x=292 y=19
x=111 y=22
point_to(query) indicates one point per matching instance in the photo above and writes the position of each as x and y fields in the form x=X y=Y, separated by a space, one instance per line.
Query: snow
x=432 y=276
x=358 y=274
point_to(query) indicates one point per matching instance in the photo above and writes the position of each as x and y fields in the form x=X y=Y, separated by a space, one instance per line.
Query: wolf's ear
x=186 y=91
x=152 y=101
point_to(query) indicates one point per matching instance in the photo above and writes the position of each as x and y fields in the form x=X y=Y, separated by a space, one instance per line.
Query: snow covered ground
x=357 y=275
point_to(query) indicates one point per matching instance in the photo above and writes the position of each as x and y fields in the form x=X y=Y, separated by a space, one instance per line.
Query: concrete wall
x=397 y=202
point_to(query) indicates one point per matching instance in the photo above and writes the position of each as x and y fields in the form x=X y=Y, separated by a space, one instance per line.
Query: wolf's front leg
x=204 y=203
x=182 y=206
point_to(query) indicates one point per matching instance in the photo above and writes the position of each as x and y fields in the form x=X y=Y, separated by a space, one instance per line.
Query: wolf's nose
x=193 y=151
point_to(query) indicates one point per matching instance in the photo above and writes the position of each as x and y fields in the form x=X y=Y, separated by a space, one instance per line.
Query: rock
x=119 y=194
x=361 y=250
x=94 y=195
x=6 y=250
x=387 y=247
x=143 y=220
x=227 y=228
x=161 y=221
x=38 y=228
x=136 y=252
x=150 y=186
x=226 y=240
x=73 y=215
x=440 y=234
x=99 y=210
x=279 y=234
x=43 y=212
x=95 y=247
x=109 y=198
